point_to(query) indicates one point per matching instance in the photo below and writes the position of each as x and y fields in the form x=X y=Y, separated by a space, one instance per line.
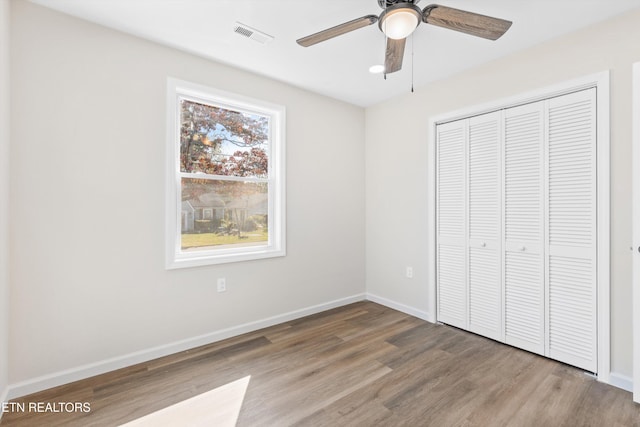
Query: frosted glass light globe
x=399 y=24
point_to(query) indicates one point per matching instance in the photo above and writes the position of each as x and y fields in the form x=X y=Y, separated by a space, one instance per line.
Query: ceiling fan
x=400 y=18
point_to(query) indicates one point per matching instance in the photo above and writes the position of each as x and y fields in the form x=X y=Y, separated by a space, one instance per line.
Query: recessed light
x=376 y=69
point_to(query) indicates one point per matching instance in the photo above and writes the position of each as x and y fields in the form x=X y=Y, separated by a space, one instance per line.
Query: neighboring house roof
x=208 y=200
x=186 y=206
x=255 y=202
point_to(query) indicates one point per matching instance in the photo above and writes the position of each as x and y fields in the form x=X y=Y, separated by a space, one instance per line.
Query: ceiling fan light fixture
x=400 y=20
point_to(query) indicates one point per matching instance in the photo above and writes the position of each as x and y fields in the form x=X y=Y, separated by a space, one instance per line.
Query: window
x=207 y=214
x=225 y=179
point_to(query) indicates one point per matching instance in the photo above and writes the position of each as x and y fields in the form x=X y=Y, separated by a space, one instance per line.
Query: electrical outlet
x=222 y=284
x=409 y=273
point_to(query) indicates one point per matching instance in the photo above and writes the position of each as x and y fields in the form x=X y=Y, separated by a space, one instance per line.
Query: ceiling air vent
x=251 y=33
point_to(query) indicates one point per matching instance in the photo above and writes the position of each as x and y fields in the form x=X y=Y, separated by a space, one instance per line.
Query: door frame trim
x=635 y=221
x=600 y=81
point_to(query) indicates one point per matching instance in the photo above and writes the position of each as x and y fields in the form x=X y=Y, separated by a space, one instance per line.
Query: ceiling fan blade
x=338 y=30
x=393 y=56
x=465 y=22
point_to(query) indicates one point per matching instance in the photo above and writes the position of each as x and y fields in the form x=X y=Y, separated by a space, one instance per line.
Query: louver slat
x=484 y=167
x=451 y=285
x=451 y=188
x=485 y=293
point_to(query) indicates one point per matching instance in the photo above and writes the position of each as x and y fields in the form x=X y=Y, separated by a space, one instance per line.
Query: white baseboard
x=412 y=311
x=621 y=381
x=70 y=375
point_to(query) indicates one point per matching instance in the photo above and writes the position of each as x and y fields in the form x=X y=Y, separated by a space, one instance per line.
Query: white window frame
x=276 y=244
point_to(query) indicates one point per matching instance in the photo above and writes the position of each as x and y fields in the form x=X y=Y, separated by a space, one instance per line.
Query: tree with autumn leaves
x=203 y=130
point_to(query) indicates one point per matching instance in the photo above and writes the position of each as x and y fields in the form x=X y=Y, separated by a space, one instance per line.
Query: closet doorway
x=519 y=220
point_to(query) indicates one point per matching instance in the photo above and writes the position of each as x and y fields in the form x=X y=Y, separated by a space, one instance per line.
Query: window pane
x=216 y=214
x=218 y=141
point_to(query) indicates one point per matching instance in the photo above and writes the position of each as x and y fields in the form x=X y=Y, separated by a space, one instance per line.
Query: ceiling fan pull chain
x=412 y=41
x=386 y=40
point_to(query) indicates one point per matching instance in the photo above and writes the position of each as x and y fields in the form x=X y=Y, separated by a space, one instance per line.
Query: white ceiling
x=339 y=67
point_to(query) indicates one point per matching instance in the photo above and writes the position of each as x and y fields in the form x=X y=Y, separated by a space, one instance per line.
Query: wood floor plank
x=358 y=365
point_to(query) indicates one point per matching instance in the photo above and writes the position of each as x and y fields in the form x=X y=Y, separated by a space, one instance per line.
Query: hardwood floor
x=359 y=365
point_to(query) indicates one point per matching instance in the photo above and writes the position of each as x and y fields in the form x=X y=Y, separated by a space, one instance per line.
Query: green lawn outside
x=213 y=239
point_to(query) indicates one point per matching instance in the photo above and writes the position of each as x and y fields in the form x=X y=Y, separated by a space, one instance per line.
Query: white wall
x=4 y=197
x=87 y=174
x=396 y=195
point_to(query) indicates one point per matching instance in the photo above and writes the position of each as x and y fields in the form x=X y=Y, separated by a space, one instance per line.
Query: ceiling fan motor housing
x=386 y=3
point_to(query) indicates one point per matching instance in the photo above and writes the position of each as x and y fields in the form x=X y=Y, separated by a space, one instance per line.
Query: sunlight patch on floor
x=219 y=407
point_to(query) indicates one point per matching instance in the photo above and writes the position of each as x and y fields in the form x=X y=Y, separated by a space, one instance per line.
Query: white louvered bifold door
x=571 y=232
x=484 y=213
x=517 y=226
x=524 y=227
x=451 y=223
